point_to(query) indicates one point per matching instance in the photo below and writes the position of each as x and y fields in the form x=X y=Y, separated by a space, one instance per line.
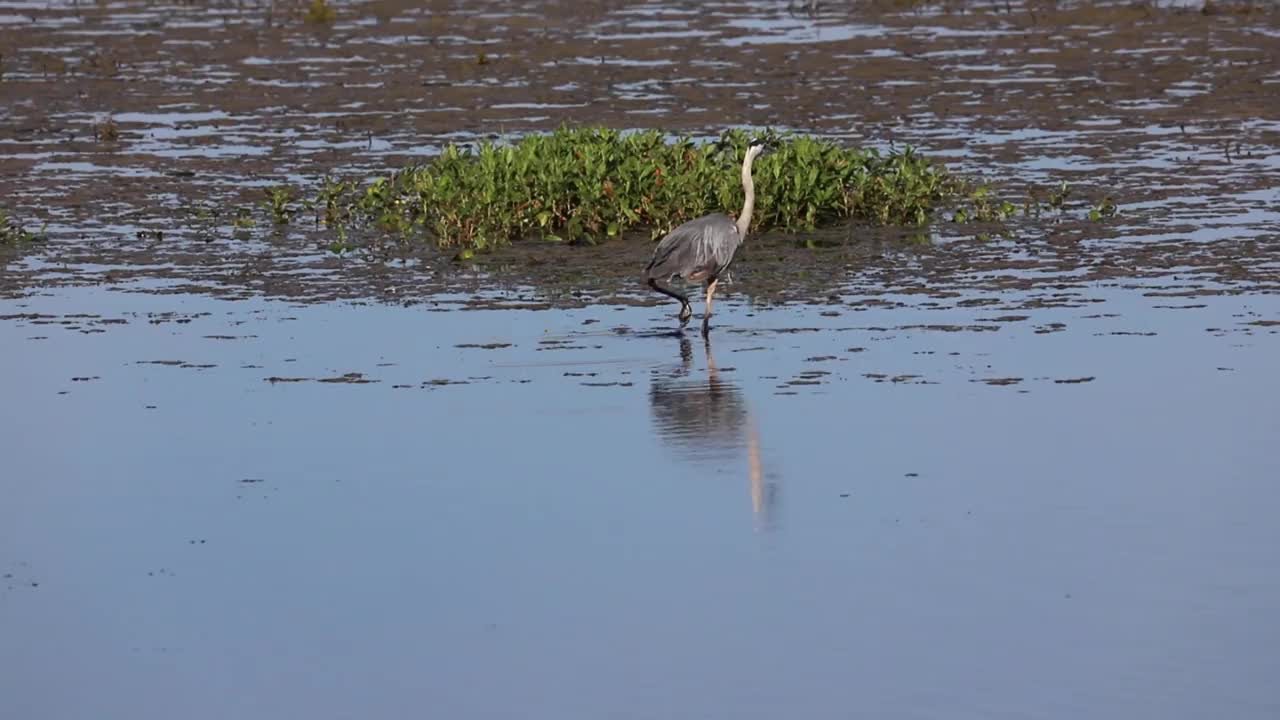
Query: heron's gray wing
x=695 y=250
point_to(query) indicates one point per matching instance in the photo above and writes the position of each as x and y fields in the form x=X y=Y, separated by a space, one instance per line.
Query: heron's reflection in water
x=708 y=421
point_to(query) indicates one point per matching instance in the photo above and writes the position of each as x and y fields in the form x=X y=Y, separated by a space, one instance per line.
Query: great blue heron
x=700 y=249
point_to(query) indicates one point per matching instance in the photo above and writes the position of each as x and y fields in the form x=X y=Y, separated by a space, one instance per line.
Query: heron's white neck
x=749 y=187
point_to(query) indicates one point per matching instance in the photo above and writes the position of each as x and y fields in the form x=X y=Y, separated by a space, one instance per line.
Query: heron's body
x=701 y=249
x=697 y=250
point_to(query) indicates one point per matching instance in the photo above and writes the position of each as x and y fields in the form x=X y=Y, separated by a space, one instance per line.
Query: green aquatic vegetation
x=1103 y=210
x=329 y=205
x=343 y=244
x=278 y=202
x=1031 y=208
x=202 y=218
x=320 y=12
x=13 y=232
x=107 y=131
x=243 y=219
x=1058 y=197
x=984 y=207
x=588 y=184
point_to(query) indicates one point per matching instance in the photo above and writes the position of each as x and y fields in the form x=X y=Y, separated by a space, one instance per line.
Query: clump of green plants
x=1058 y=197
x=320 y=12
x=330 y=205
x=586 y=184
x=1104 y=210
x=243 y=219
x=107 y=131
x=984 y=207
x=12 y=232
x=278 y=202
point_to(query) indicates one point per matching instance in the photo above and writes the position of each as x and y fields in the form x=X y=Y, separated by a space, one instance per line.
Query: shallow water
x=575 y=513
x=920 y=474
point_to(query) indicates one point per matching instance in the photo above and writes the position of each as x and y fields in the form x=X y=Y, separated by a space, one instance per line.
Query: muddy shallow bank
x=1161 y=108
x=913 y=473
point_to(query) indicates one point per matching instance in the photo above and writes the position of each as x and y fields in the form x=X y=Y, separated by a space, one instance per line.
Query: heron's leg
x=706 y=315
x=686 y=311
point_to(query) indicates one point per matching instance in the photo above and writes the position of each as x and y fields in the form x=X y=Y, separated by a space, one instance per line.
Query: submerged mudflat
x=913 y=473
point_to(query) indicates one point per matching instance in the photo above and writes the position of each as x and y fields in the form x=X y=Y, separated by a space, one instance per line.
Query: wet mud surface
x=912 y=473
x=1163 y=109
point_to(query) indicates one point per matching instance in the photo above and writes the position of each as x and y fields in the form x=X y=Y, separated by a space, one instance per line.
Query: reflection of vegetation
x=12 y=231
x=585 y=184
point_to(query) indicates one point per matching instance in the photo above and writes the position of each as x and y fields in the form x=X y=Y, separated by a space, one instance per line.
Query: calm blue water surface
x=604 y=520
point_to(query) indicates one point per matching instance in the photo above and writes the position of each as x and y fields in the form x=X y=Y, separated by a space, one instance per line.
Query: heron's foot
x=686 y=312
x=706 y=325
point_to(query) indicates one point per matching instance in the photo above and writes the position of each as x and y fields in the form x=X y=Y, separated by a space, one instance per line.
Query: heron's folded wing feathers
x=696 y=249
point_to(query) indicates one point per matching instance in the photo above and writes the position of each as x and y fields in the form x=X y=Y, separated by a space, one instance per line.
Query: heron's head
x=757 y=147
